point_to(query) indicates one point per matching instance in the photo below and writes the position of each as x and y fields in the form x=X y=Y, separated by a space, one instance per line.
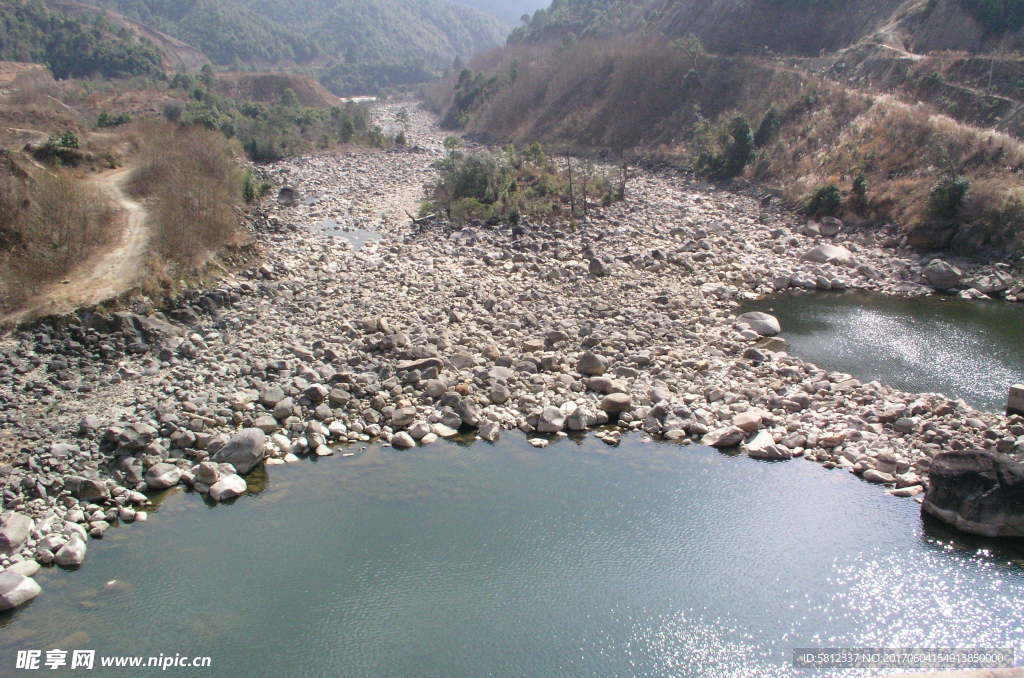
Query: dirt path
x=109 y=273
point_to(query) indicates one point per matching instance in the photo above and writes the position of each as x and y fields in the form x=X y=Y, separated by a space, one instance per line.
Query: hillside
x=355 y=46
x=849 y=121
x=72 y=45
x=177 y=54
x=270 y=88
x=802 y=27
x=509 y=12
x=225 y=31
x=366 y=44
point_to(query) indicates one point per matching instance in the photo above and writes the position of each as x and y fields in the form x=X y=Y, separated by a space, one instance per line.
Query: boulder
x=467 y=412
x=591 y=365
x=617 y=403
x=1015 y=403
x=15 y=529
x=764 y=324
x=489 y=431
x=271 y=396
x=551 y=420
x=72 y=553
x=421 y=364
x=829 y=254
x=207 y=473
x=881 y=477
x=288 y=196
x=731 y=436
x=228 y=487
x=830 y=227
x=87 y=489
x=245 y=451
x=402 y=441
x=978 y=492
x=26 y=568
x=749 y=421
x=942 y=275
x=763 y=446
x=16 y=590
x=598 y=268
x=162 y=476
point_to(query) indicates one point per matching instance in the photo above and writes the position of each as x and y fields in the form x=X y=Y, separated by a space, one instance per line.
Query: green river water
x=647 y=559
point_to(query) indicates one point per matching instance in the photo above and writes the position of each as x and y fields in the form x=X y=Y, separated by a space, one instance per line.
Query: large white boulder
x=16 y=590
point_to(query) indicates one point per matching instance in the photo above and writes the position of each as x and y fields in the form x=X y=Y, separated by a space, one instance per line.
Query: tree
x=741 y=150
x=206 y=76
x=289 y=99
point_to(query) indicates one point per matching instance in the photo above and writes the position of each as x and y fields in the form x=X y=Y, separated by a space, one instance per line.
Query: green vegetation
x=106 y=120
x=724 y=150
x=71 y=46
x=60 y=148
x=358 y=46
x=946 y=197
x=859 y=194
x=224 y=30
x=509 y=186
x=471 y=91
x=768 y=129
x=580 y=18
x=824 y=201
x=270 y=132
x=253 y=190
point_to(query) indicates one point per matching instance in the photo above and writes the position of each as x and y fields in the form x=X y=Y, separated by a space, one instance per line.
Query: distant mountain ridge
x=356 y=46
x=797 y=27
x=508 y=10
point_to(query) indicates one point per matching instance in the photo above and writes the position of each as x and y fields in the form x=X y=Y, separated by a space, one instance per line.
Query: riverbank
x=626 y=318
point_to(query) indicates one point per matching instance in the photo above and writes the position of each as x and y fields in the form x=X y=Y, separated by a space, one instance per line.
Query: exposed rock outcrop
x=978 y=492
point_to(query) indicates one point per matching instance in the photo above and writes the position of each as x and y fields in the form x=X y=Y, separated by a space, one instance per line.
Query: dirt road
x=111 y=272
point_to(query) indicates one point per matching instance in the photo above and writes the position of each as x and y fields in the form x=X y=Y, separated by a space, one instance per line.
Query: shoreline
x=417 y=335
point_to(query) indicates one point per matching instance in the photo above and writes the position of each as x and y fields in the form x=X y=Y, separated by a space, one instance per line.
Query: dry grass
x=648 y=98
x=50 y=225
x=192 y=187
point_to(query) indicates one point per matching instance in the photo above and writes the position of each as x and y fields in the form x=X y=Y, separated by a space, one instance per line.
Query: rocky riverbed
x=624 y=321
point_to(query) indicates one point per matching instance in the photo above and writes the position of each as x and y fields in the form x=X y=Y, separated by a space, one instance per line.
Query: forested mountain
x=72 y=46
x=509 y=11
x=226 y=31
x=356 y=46
x=364 y=43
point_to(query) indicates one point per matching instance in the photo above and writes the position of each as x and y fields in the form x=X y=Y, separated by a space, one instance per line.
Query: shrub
x=248 y=189
x=859 y=193
x=105 y=120
x=741 y=150
x=60 y=148
x=724 y=153
x=768 y=129
x=503 y=187
x=946 y=197
x=67 y=139
x=194 y=186
x=824 y=201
